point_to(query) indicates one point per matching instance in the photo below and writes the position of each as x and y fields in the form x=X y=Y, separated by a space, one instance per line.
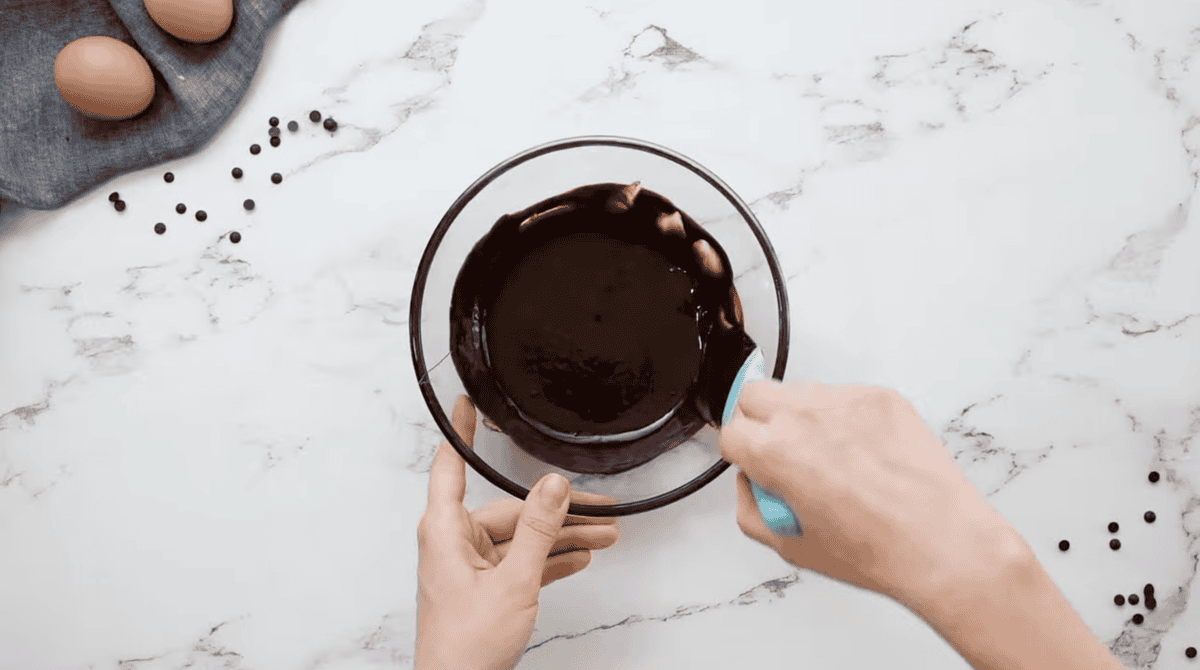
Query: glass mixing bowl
x=549 y=170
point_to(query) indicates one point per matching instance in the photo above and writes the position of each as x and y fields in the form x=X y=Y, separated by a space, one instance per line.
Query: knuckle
x=541 y=526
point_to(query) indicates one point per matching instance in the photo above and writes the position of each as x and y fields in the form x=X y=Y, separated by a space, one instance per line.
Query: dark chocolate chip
x=248 y=204
x=1151 y=603
x=160 y=228
x=274 y=141
x=201 y=215
x=1064 y=545
x=1112 y=527
x=1148 y=590
x=120 y=205
x=274 y=121
x=1153 y=477
x=1138 y=619
x=237 y=173
x=1133 y=599
x=1119 y=599
x=1114 y=544
x=314 y=116
x=181 y=208
x=235 y=237
x=330 y=124
x=1190 y=652
x=254 y=149
x=114 y=196
x=1149 y=517
x=276 y=178
x=169 y=177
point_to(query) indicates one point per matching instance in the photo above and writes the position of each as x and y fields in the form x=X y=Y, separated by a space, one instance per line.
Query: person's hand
x=477 y=592
x=880 y=501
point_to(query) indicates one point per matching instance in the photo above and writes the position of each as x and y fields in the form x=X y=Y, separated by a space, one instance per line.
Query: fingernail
x=554 y=490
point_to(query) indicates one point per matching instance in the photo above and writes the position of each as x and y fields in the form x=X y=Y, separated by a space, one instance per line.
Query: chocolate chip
x=1151 y=603
x=1149 y=517
x=120 y=205
x=169 y=177
x=254 y=149
x=248 y=204
x=1191 y=652
x=1114 y=544
x=1138 y=619
x=1153 y=477
x=114 y=196
x=160 y=228
x=237 y=173
x=276 y=178
x=314 y=116
x=274 y=121
x=1112 y=527
x=293 y=126
x=274 y=141
x=235 y=237
x=330 y=124
x=201 y=215
x=1133 y=598
x=181 y=208
x=1119 y=599
x=274 y=132
x=1148 y=590
x=1064 y=545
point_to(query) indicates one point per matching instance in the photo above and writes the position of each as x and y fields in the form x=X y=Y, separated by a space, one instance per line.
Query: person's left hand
x=477 y=593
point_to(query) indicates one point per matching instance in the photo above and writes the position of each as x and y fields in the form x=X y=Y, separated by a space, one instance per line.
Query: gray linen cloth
x=50 y=153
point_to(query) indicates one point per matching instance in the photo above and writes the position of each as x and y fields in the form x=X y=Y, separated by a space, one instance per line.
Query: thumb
x=542 y=516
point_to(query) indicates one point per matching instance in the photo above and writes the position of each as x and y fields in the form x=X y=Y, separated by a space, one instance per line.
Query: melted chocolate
x=598 y=312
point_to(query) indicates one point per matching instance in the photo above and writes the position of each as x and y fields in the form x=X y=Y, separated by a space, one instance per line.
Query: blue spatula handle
x=775 y=512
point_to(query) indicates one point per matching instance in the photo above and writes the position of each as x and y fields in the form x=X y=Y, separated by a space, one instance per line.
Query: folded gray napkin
x=50 y=153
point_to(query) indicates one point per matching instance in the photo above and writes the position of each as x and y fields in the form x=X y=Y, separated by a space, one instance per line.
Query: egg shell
x=192 y=20
x=104 y=78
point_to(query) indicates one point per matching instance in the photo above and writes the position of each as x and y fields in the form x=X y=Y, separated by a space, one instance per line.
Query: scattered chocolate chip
x=274 y=121
x=181 y=208
x=1114 y=544
x=235 y=237
x=1133 y=598
x=169 y=177
x=160 y=228
x=274 y=141
x=330 y=124
x=201 y=215
x=1064 y=545
x=1149 y=517
x=254 y=149
x=1191 y=652
x=248 y=204
x=114 y=196
x=237 y=173
x=314 y=116
x=293 y=126
x=1112 y=527
x=120 y=205
x=1153 y=477
x=276 y=178
x=1138 y=619
x=1119 y=599
x=274 y=132
x=1148 y=590
x=1151 y=603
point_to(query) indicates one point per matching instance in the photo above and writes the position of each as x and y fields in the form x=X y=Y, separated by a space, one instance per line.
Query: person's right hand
x=880 y=501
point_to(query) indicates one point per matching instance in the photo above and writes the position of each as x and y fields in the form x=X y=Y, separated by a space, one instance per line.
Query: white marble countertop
x=215 y=455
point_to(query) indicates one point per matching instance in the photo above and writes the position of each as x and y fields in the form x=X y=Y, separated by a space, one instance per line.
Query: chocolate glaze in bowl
x=589 y=327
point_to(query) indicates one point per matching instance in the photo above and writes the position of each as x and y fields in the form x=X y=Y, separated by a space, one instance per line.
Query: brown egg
x=192 y=20
x=104 y=78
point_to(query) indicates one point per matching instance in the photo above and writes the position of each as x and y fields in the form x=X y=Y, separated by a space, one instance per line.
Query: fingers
x=448 y=478
x=565 y=566
x=749 y=518
x=500 y=517
x=537 y=530
x=575 y=538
